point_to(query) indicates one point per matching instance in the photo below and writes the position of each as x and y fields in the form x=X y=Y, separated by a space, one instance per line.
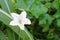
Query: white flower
x=20 y=20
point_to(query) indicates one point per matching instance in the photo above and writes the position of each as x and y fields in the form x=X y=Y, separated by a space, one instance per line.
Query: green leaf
x=35 y=7
x=25 y=35
x=10 y=34
x=2 y=36
x=48 y=5
x=58 y=22
x=38 y=9
x=45 y=29
x=24 y=4
x=57 y=37
x=50 y=36
x=56 y=4
x=11 y=5
x=57 y=15
x=5 y=5
x=45 y=20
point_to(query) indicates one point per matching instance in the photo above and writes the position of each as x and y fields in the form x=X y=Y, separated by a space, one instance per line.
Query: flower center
x=20 y=21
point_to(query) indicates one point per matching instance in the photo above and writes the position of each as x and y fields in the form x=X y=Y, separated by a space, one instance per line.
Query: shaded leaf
x=2 y=36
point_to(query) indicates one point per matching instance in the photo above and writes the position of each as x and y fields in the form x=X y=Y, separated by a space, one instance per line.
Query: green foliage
x=2 y=36
x=44 y=15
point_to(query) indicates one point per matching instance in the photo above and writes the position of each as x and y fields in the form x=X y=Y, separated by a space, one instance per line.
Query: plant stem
x=28 y=34
x=7 y=6
x=5 y=13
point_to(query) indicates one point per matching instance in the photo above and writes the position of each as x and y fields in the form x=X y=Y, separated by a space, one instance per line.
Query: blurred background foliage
x=44 y=15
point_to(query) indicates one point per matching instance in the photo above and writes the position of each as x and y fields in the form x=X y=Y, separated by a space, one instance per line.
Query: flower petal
x=27 y=21
x=23 y=14
x=14 y=23
x=21 y=26
x=14 y=15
